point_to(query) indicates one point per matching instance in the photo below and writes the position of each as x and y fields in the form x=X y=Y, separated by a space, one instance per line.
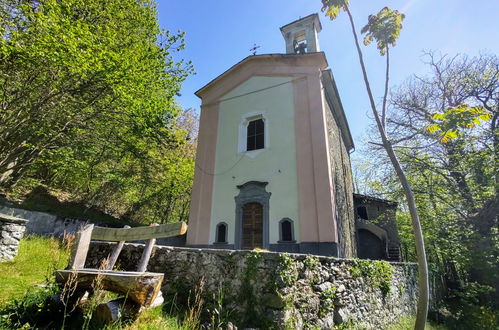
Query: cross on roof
x=254 y=48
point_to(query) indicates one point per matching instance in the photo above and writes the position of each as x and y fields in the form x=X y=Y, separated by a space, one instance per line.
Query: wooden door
x=252 y=226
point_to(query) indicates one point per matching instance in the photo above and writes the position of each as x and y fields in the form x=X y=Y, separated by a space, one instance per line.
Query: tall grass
x=35 y=263
x=27 y=288
x=407 y=323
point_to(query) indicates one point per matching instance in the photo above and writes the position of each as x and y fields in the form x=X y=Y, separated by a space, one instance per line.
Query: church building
x=273 y=160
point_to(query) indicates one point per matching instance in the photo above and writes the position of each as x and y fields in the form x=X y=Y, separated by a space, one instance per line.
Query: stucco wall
x=343 y=187
x=276 y=164
x=272 y=290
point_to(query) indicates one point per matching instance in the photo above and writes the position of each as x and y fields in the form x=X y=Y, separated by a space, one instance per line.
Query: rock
x=273 y=301
x=324 y=286
x=354 y=299
x=327 y=322
x=340 y=316
x=9 y=240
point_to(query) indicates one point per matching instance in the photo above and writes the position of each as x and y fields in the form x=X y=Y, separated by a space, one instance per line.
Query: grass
x=407 y=323
x=27 y=285
x=152 y=319
x=36 y=261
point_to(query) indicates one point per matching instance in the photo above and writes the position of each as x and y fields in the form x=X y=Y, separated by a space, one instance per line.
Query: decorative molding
x=252 y=192
x=243 y=133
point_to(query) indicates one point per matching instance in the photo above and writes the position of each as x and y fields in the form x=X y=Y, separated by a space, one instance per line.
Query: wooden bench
x=142 y=287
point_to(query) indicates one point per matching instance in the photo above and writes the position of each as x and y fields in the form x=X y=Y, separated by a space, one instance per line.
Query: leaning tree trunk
x=423 y=299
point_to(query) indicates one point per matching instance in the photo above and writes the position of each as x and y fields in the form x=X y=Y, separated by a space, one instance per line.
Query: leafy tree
x=87 y=103
x=454 y=177
x=384 y=28
x=74 y=70
x=464 y=165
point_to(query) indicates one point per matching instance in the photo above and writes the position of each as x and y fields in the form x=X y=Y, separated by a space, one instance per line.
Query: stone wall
x=11 y=231
x=379 y=212
x=268 y=289
x=42 y=223
x=343 y=187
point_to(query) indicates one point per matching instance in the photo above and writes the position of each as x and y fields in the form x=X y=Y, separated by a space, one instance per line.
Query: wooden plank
x=80 y=250
x=146 y=255
x=116 y=253
x=142 y=288
x=138 y=233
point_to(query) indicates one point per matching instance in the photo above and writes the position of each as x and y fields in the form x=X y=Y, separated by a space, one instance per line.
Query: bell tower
x=301 y=35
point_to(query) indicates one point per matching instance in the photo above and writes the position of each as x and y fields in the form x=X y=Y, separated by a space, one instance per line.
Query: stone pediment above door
x=250 y=194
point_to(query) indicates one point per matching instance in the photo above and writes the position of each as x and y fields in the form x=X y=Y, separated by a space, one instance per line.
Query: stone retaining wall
x=267 y=289
x=42 y=223
x=11 y=231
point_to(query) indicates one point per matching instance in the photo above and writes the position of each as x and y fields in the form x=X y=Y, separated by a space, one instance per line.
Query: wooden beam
x=146 y=255
x=142 y=288
x=116 y=253
x=111 y=311
x=138 y=233
x=80 y=250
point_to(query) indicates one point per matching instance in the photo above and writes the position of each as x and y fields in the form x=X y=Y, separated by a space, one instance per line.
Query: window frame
x=291 y=222
x=217 y=238
x=255 y=135
x=243 y=133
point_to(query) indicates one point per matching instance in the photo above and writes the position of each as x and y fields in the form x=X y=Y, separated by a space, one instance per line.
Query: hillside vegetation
x=87 y=107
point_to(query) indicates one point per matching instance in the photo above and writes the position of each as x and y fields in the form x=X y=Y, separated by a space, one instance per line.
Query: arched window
x=221 y=233
x=255 y=137
x=286 y=230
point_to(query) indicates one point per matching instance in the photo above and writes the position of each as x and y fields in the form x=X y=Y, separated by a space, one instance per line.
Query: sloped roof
x=270 y=58
x=269 y=64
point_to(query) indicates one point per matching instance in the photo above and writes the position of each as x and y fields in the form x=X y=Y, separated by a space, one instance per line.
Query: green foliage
x=153 y=319
x=327 y=300
x=310 y=262
x=384 y=27
x=28 y=290
x=378 y=271
x=27 y=284
x=35 y=308
x=454 y=120
x=247 y=295
x=449 y=149
x=219 y=313
x=407 y=323
x=88 y=106
x=286 y=270
x=331 y=8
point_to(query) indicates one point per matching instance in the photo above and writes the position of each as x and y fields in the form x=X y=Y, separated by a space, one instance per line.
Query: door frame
x=255 y=222
x=252 y=191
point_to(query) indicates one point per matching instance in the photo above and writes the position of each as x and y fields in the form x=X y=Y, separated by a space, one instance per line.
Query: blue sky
x=219 y=33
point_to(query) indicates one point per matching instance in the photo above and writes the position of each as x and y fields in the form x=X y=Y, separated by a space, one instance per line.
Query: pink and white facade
x=272 y=166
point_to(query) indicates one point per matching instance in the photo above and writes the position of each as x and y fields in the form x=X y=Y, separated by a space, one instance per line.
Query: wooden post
x=111 y=311
x=80 y=250
x=116 y=253
x=146 y=255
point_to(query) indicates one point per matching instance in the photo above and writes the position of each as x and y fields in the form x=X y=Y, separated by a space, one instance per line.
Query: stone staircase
x=393 y=252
